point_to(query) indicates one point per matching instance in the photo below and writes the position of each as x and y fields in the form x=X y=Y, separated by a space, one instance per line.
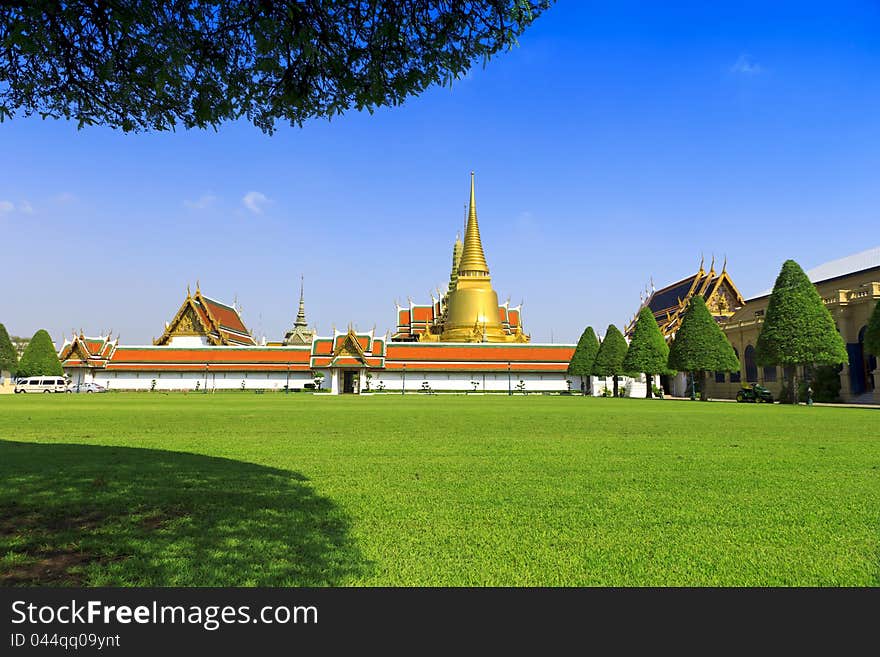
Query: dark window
x=719 y=377
x=735 y=376
x=751 y=366
x=770 y=374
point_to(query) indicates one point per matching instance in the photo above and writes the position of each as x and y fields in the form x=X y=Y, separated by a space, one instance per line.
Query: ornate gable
x=348 y=346
x=189 y=320
x=724 y=299
x=200 y=316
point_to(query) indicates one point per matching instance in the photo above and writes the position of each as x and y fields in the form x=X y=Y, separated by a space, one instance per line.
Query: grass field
x=243 y=489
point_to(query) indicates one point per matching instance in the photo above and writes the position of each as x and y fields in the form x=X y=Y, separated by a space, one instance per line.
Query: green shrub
x=8 y=355
x=40 y=358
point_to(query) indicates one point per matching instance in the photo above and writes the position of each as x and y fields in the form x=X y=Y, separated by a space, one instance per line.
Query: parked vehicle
x=86 y=387
x=41 y=384
x=754 y=394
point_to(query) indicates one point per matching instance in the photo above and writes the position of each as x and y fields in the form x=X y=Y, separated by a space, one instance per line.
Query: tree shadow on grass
x=85 y=515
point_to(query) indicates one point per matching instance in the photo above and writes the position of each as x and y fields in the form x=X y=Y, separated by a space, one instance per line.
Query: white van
x=41 y=384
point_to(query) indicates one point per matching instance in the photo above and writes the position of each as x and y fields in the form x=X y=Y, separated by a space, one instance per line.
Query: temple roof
x=671 y=295
x=218 y=322
x=212 y=359
x=84 y=351
x=668 y=303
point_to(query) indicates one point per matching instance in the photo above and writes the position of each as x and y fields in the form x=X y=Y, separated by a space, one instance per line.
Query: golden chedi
x=472 y=312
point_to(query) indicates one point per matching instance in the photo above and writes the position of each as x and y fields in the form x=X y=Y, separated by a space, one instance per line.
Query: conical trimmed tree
x=648 y=351
x=798 y=330
x=609 y=358
x=8 y=356
x=700 y=345
x=872 y=334
x=583 y=357
x=39 y=357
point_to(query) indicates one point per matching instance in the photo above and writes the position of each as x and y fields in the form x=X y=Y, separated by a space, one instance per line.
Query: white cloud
x=202 y=202
x=26 y=207
x=65 y=197
x=255 y=202
x=745 y=65
x=6 y=207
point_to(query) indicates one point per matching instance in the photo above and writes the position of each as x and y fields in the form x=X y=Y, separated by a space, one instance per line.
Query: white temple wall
x=390 y=381
x=469 y=381
x=190 y=380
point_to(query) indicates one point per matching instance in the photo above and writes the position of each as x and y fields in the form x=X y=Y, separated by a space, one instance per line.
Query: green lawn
x=244 y=489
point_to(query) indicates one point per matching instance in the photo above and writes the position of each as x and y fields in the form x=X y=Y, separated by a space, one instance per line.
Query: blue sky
x=618 y=142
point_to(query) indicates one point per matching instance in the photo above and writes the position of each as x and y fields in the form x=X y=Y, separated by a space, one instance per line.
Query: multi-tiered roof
x=669 y=303
x=217 y=323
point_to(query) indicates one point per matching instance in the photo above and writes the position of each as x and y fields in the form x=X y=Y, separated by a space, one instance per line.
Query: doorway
x=350 y=382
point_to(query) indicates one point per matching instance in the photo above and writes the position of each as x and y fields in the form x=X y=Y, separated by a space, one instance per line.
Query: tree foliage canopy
x=648 y=351
x=8 y=356
x=872 y=334
x=156 y=65
x=798 y=329
x=700 y=345
x=609 y=358
x=39 y=358
x=584 y=354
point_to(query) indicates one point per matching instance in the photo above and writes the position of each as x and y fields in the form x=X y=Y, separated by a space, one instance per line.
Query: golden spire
x=473 y=260
x=456 y=261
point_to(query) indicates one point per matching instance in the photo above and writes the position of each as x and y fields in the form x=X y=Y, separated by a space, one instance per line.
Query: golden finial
x=702 y=260
x=188 y=293
x=712 y=266
x=724 y=266
x=473 y=260
x=197 y=287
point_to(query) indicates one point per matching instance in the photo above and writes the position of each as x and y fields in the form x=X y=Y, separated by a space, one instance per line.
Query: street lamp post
x=509 y=389
x=287 y=384
x=206 y=378
x=403 y=386
x=693 y=389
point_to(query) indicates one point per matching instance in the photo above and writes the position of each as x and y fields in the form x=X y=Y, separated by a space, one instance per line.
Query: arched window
x=869 y=361
x=751 y=366
x=735 y=376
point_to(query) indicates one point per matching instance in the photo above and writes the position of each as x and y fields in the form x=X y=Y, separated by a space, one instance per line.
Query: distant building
x=669 y=303
x=19 y=344
x=850 y=288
